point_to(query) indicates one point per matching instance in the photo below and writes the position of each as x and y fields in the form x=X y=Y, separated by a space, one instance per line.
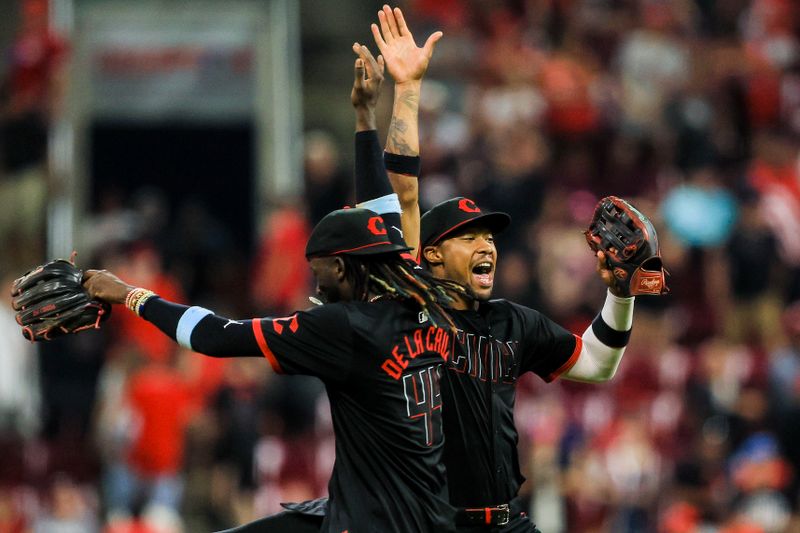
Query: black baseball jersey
x=381 y=367
x=381 y=363
x=494 y=346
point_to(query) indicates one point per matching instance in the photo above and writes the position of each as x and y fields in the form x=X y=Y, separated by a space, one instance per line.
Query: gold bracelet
x=139 y=304
x=131 y=297
x=128 y=298
x=136 y=299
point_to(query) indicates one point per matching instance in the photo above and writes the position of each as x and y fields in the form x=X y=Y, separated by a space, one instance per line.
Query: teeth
x=482 y=268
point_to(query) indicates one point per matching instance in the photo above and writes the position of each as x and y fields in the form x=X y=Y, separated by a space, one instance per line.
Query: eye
x=468 y=237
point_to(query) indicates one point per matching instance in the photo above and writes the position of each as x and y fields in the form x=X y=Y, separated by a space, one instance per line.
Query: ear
x=432 y=255
x=338 y=268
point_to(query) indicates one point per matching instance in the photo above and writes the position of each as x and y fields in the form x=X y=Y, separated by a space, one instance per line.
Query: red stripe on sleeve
x=570 y=362
x=262 y=343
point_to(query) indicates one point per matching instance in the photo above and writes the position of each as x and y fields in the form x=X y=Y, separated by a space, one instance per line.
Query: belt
x=498 y=515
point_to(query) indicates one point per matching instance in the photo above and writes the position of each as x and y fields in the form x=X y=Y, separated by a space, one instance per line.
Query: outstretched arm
x=407 y=64
x=317 y=342
x=195 y=328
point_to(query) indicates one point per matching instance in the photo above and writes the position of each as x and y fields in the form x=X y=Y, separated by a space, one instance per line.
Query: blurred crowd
x=688 y=108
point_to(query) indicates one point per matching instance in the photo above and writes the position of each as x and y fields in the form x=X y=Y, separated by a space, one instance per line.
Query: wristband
x=409 y=165
x=608 y=335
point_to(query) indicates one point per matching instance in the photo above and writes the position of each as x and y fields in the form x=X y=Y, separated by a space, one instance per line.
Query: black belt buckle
x=504 y=514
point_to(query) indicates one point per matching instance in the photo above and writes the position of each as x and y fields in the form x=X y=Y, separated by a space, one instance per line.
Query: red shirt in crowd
x=162 y=403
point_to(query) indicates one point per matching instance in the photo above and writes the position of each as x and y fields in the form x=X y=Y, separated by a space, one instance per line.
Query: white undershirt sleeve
x=604 y=342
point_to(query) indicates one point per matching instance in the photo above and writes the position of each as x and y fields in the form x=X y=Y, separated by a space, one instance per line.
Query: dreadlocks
x=390 y=276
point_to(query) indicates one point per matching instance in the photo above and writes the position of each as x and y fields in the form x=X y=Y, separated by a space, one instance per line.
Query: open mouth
x=483 y=273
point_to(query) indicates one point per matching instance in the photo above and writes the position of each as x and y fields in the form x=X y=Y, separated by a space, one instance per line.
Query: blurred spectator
x=68 y=510
x=280 y=273
x=327 y=185
x=20 y=401
x=239 y=415
x=654 y=64
x=197 y=243
x=774 y=174
x=30 y=98
x=150 y=472
x=33 y=88
x=752 y=307
x=784 y=370
x=119 y=222
x=701 y=212
x=784 y=381
x=114 y=224
x=12 y=517
x=760 y=475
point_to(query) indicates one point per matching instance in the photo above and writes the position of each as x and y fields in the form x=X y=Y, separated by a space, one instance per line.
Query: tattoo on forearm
x=396 y=143
x=410 y=99
x=398 y=124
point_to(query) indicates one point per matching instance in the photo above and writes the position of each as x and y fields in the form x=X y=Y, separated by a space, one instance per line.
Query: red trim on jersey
x=361 y=247
x=488 y=516
x=570 y=362
x=262 y=343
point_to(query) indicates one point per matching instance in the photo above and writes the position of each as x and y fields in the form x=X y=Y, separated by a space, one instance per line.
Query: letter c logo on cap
x=374 y=227
x=467 y=205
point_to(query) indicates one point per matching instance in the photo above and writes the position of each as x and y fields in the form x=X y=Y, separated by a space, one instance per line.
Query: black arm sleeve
x=214 y=335
x=372 y=181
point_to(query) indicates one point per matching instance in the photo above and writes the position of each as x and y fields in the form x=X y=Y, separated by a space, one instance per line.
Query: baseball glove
x=629 y=241
x=50 y=301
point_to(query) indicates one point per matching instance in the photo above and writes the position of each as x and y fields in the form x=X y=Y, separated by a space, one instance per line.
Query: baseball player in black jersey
x=378 y=347
x=497 y=340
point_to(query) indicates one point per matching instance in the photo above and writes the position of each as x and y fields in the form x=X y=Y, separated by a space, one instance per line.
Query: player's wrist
x=365 y=119
x=415 y=83
x=365 y=110
x=617 y=311
x=617 y=293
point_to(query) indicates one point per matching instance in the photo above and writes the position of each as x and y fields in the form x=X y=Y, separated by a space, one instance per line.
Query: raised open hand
x=368 y=78
x=404 y=59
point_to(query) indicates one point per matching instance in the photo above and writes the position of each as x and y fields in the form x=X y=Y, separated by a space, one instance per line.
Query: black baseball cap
x=355 y=231
x=446 y=217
